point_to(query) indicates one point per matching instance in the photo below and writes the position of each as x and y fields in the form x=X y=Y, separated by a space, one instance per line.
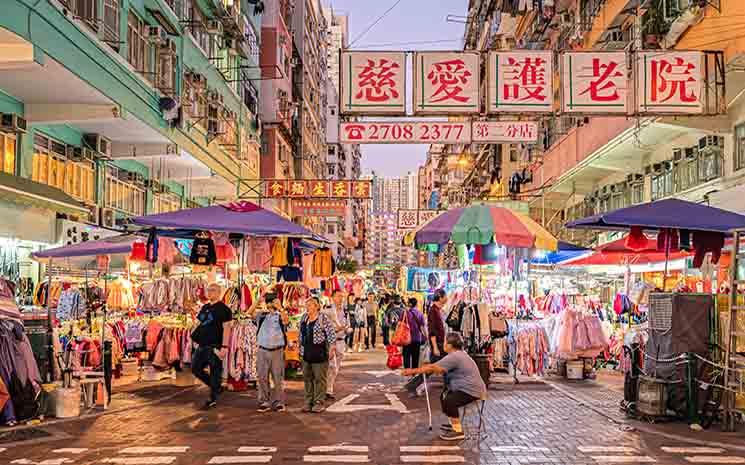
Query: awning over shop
x=25 y=191
x=616 y=253
x=566 y=252
x=109 y=246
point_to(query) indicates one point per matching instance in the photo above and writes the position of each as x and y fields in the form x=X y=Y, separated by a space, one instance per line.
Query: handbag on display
x=402 y=335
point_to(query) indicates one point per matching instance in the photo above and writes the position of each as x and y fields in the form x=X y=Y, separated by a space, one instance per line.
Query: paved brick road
x=525 y=424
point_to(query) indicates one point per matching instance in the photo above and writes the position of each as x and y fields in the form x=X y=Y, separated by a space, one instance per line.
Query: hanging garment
x=667 y=241
x=636 y=240
x=705 y=242
x=279 y=252
x=203 y=251
x=322 y=263
x=259 y=256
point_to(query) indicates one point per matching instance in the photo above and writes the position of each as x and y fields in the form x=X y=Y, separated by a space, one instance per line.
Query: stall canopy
x=484 y=224
x=109 y=246
x=669 y=213
x=238 y=217
x=616 y=253
x=566 y=251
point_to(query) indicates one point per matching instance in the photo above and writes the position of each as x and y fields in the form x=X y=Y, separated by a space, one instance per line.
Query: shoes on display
x=452 y=436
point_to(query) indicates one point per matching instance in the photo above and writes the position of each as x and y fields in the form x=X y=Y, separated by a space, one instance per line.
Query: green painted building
x=114 y=108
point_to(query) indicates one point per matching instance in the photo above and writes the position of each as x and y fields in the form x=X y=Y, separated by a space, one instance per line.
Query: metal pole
x=517 y=317
x=729 y=399
x=50 y=328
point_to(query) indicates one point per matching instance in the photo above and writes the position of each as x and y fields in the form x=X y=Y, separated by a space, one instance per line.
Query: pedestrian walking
x=337 y=314
x=417 y=329
x=351 y=313
x=211 y=342
x=371 y=308
x=360 y=333
x=436 y=325
x=391 y=318
x=317 y=341
x=270 y=358
x=383 y=305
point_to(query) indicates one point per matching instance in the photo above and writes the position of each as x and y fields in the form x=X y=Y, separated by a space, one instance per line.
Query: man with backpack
x=391 y=317
x=270 y=358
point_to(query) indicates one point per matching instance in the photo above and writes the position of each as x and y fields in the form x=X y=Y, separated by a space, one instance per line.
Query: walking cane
x=426 y=394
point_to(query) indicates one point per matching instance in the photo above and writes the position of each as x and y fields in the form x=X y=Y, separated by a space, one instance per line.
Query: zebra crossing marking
x=623 y=459
x=340 y=447
x=154 y=460
x=607 y=449
x=713 y=459
x=222 y=460
x=692 y=450
x=336 y=458
x=155 y=450
x=518 y=449
x=429 y=449
x=433 y=459
x=71 y=450
x=57 y=461
x=256 y=449
x=339 y=458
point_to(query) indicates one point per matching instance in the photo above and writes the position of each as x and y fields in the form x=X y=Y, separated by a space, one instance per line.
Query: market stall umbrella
x=121 y=244
x=565 y=252
x=616 y=253
x=669 y=213
x=483 y=224
x=238 y=217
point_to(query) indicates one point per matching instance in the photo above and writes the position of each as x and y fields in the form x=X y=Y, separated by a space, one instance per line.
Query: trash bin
x=482 y=361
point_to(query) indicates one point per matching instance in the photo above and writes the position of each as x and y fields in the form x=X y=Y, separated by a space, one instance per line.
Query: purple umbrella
x=241 y=217
x=110 y=246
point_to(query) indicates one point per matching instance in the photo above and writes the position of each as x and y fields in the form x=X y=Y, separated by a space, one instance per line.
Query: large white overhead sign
x=670 y=82
x=446 y=82
x=520 y=81
x=373 y=83
x=594 y=83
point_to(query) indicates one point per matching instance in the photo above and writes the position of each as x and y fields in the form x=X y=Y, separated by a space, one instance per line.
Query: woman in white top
x=360 y=330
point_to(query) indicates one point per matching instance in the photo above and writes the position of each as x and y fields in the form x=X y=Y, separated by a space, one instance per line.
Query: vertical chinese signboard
x=373 y=83
x=520 y=82
x=670 y=82
x=594 y=82
x=446 y=82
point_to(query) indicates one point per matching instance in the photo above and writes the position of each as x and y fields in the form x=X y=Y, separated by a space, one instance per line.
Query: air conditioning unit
x=690 y=153
x=108 y=218
x=213 y=26
x=155 y=34
x=99 y=143
x=13 y=123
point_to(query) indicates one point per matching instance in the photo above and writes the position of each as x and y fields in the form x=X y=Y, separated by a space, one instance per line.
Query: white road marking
x=59 y=461
x=240 y=459
x=3 y=449
x=337 y=458
x=614 y=449
x=338 y=447
x=429 y=449
x=693 y=450
x=623 y=459
x=518 y=449
x=380 y=374
x=345 y=405
x=70 y=450
x=155 y=450
x=432 y=459
x=156 y=460
x=256 y=450
x=711 y=459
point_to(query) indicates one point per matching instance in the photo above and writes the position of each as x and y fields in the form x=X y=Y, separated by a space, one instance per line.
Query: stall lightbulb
x=134 y=267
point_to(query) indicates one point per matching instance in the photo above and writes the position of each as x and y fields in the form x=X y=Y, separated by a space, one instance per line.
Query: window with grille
x=8 y=153
x=740 y=146
x=166 y=203
x=51 y=167
x=122 y=196
x=139 y=47
x=111 y=10
x=87 y=11
x=166 y=68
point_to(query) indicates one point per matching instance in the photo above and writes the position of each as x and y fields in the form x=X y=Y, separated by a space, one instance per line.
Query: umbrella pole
x=50 y=328
x=517 y=317
x=667 y=259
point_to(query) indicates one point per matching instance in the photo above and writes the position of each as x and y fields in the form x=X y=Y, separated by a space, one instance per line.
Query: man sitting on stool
x=464 y=384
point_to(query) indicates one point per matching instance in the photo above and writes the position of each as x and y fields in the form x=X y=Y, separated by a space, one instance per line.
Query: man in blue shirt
x=270 y=359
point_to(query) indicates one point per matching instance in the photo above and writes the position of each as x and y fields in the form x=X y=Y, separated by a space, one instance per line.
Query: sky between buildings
x=406 y=27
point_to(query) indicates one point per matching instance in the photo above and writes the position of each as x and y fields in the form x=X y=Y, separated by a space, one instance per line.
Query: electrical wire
x=380 y=18
x=416 y=42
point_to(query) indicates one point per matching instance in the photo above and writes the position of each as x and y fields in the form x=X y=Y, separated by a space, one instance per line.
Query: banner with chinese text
x=446 y=82
x=670 y=82
x=504 y=131
x=394 y=132
x=373 y=83
x=409 y=219
x=319 y=207
x=318 y=188
x=595 y=82
x=520 y=81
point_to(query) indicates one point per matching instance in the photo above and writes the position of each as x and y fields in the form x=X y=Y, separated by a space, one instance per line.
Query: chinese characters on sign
x=504 y=131
x=319 y=207
x=594 y=82
x=520 y=81
x=412 y=219
x=388 y=132
x=670 y=82
x=373 y=83
x=446 y=82
x=318 y=188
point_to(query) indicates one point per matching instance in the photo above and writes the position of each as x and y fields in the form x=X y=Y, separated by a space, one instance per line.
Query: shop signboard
x=409 y=219
x=373 y=83
x=594 y=82
x=318 y=188
x=446 y=83
x=405 y=132
x=520 y=81
x=504 y=131
x=670 y=82
x=319 y=207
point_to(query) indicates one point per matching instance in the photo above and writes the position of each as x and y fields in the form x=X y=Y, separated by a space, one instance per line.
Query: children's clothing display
x=529 y=345
x=120 y=295
x=172 y=294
